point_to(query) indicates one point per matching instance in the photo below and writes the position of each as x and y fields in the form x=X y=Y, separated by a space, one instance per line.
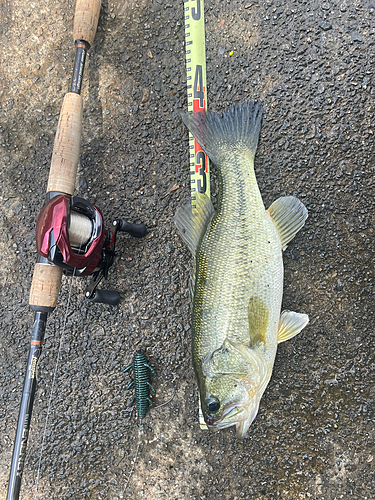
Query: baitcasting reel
x=70 y=234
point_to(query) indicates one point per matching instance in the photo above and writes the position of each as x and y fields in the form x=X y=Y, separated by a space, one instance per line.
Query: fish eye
x=212 y=405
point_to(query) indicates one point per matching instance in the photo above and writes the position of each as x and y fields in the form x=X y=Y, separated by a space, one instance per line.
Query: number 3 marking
x=201 y=160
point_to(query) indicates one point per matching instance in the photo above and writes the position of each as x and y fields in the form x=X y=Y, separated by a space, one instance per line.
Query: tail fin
x=238 y=127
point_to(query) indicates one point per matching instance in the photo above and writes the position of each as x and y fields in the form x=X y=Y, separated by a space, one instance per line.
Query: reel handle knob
x=110 y=297
x=135 y=230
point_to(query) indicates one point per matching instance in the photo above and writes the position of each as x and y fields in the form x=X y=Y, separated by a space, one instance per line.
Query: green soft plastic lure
x=142 y=386
x=237 y=280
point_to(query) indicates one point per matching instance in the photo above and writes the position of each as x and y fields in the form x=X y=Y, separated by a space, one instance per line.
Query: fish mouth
x=233 y=414
x=243 y=426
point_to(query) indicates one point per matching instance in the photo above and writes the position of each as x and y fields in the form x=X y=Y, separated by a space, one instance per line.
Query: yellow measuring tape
x=197 y=92
x=197 y=103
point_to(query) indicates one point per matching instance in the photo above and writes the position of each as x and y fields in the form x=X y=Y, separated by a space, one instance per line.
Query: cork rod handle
x=45 y=286
x=86 y=20
x=66 y=149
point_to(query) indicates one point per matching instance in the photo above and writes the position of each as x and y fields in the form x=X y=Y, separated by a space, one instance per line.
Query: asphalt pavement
x=312 y=65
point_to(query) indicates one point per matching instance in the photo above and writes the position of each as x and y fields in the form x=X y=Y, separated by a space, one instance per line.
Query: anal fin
x=290 y=324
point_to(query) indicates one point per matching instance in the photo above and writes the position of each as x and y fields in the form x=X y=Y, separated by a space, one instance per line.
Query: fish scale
x=237 y=279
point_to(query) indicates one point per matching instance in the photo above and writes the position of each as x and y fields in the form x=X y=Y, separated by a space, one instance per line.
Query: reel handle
x=135 y=230
x=110 y=297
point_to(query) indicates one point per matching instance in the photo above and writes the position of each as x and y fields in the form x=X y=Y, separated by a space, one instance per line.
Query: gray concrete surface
x=311 y=63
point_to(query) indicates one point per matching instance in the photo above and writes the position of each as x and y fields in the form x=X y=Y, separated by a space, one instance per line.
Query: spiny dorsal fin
x=290 y=324
x=192 y=225
x=289 y=215
x=258 y=320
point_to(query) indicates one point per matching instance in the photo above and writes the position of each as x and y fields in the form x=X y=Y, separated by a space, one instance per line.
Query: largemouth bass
x=237 y=280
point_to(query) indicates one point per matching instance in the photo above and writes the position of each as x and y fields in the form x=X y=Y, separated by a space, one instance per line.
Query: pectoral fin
x=192 y=225
x=290 y=324
x=289 y=215
x=258 y=320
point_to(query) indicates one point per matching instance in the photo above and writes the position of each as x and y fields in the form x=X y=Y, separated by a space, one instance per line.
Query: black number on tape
x=196 y=14
x=198 y=85
x=201 y=160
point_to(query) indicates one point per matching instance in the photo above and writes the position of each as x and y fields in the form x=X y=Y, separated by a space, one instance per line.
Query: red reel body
x=58 y=224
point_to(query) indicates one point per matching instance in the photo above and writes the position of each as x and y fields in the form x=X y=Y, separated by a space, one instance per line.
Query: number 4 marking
x=198 y=85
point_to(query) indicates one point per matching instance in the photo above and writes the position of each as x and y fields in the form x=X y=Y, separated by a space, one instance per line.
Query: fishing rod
x=70 y=235
x=195 y=48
